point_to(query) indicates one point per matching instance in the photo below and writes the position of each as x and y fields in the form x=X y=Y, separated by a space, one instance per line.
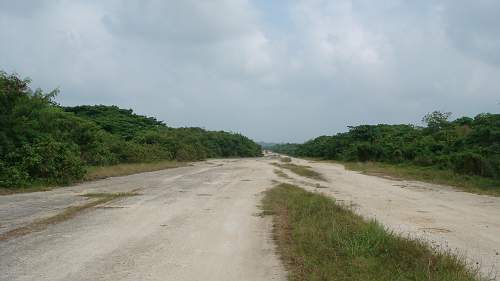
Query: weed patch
x=304 y=171
x=101 y=172
x=281 y=174
x=321 y=240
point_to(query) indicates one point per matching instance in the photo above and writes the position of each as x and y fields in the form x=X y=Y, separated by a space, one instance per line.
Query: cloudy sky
x=273 y=70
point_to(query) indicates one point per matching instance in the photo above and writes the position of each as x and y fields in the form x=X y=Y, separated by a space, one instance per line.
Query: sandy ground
x=201 y=223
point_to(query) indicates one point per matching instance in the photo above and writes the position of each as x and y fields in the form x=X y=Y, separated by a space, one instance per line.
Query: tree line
x=469 y=146
x=42 y=142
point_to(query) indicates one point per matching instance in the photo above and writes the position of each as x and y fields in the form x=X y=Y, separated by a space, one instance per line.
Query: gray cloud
x=473 y=27
x=230 y=65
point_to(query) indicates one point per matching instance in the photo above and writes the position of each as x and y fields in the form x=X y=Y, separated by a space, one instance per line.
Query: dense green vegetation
x=44 y=143
x=117 y=121
x=465 y=146
x=321 y=240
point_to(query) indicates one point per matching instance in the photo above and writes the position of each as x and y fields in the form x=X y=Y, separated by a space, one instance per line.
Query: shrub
x=52 y=160
x=366 y=152
x=12 y=176
x=186 y=153
x=469 y=163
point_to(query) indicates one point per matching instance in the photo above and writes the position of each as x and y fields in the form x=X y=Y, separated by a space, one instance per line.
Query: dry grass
x=281 y=174
x=8 y=191
x=473 y=184
x=321 y=240
x=67 y=214
x=304 y=171
x=101 y=172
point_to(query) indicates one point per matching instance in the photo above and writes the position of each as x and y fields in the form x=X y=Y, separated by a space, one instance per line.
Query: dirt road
x=191 y=223
x=201 y=223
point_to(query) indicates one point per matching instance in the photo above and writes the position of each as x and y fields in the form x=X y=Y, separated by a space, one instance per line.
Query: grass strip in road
x=285 y=159
x=281 y=174
x=473 y=184
x=67 y=214
x=321 y=240
x=34 y=188
x=304 y=171
x=101 y=172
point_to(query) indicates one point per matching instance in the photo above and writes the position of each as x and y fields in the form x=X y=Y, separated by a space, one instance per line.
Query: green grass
x=67 y=214
x=321 y=240
x=281 y=174
x=304 y=171
x=473 y=184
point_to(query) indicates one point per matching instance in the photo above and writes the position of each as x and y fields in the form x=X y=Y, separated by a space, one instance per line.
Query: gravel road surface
x=191 y=223
x=201 y=223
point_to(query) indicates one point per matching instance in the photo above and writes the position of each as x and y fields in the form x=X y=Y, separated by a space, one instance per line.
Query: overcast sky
x=272 y=70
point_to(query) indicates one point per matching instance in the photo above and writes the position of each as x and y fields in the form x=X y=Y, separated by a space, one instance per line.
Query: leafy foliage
x=114 y=120
x=468 y=146
x=42 y=142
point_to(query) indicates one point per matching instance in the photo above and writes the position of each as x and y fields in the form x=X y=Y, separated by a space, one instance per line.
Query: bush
x=54 y=161
x=397 y=156
x=469 y=163
x=186 y=153
x=12 y=176
x=367 y=152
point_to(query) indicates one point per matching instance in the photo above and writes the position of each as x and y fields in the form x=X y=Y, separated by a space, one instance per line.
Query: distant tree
x=436 y=120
